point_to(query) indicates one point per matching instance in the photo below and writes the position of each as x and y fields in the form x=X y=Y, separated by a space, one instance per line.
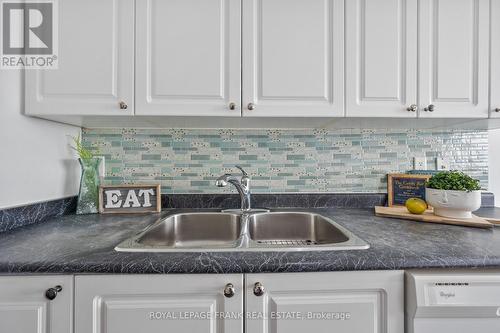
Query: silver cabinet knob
x=123 y=105
x=430 y=108
x=412 y=108
x=497 y=110
x=258 y=289
x=251 y=106
x=229 y=290
x=232 y=106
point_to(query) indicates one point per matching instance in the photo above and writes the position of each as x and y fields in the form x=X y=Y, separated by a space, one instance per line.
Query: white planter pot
x=453 y=204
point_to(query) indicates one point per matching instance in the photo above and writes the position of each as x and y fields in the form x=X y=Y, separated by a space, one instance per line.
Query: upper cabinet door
x=381 y=61
x=158 y=303
x=453 y=58
x=96 y=62
x=495 y=60
x=293 y=58
x=25 y=307
x=188 y=57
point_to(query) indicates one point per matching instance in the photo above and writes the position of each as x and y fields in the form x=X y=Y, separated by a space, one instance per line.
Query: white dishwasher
x=440 y=301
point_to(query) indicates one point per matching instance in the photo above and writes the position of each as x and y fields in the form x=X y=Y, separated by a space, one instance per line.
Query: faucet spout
x=242 y=184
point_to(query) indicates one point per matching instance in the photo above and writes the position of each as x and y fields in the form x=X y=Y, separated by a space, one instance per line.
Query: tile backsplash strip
x=304 y=160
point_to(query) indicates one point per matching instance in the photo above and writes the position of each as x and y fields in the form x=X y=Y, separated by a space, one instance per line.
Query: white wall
x=494 y=168
x=36 y=163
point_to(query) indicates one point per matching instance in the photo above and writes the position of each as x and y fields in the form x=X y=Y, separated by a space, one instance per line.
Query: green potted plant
x=453 y=194
x=88 y=196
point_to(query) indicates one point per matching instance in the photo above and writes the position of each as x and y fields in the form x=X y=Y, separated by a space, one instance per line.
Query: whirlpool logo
x=447 y=294
x=29 y=34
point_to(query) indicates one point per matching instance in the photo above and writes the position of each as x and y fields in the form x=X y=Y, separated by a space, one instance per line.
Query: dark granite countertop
x=85 y=244
x=489 y=212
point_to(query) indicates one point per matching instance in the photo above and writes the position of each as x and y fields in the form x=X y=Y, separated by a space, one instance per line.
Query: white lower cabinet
x=340 y=302
x=158 y=304
x=36 y=304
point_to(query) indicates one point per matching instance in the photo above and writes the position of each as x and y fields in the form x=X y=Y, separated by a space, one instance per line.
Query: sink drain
x=289 y=242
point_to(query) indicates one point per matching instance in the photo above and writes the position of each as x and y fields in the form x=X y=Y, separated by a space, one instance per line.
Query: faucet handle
x=242 y=171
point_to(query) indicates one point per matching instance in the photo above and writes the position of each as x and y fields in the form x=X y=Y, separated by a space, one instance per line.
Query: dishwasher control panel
x=461 y=293
x=450 y=301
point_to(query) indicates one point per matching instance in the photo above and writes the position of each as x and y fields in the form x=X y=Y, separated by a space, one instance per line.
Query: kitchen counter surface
x=85 y=244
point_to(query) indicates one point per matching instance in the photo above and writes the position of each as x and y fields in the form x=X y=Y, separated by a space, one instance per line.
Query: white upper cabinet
x=453 y=58
x=270 y=58
x=188 y=57
x=344 y=302
x=293 y=58
x=381 y=58
x=495 y=60
x=96 y=62
x=158 y=303
x=36 y=304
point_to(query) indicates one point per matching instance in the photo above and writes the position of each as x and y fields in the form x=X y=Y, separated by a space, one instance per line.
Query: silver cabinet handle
x=229 y=290
x=412 y=108
x=430 y=108
x=251 y=106
x=123 y=105
x=497 y=110
x=232 y=106
x=258 y=289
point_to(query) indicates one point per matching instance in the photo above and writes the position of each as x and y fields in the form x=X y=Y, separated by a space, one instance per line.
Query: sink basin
x=189 y=231
x=219 y=231
x=302 y=229
x=299 y=231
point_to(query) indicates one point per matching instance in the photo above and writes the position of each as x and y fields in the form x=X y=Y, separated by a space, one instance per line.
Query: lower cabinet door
x=36 y=304
x=340 y=302
x=158 y=303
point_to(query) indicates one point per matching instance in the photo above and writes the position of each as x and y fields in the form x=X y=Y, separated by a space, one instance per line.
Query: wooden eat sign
x=129 y=199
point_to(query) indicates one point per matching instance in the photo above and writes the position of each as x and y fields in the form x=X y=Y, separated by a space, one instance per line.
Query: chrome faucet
x=242 y=184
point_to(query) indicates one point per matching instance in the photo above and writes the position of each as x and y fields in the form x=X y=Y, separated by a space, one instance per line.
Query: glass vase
x=88 y=197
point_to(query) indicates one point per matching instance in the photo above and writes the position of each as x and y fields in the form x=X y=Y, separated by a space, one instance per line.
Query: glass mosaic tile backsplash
x=308 y=160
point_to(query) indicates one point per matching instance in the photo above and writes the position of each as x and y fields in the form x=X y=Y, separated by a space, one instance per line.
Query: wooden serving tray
x=492 y=220
x=429 y=217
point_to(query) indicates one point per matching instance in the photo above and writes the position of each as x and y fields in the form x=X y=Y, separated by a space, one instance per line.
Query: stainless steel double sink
x=224 y=232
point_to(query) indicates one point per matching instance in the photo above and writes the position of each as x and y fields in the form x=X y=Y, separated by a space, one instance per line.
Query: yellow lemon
x=416 y=205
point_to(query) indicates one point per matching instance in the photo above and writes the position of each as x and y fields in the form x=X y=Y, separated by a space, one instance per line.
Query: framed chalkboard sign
x=129 y=199
x=401 y=187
